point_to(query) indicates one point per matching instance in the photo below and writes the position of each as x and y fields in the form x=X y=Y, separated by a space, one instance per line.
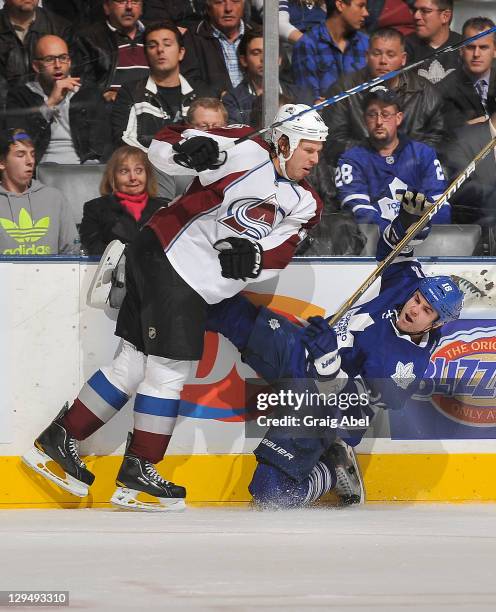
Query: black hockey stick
x=364 y=86
x=413 y=230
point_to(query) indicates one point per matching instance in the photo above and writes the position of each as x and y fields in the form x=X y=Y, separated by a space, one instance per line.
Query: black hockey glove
x=198 y=153
x=413 y=205
x=239 y=258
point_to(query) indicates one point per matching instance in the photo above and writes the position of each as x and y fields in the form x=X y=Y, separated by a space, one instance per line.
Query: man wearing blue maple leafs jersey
x=379 y=351
x=369 y=176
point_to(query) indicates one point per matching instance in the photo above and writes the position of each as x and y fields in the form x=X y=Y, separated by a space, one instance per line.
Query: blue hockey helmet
x=444 y=295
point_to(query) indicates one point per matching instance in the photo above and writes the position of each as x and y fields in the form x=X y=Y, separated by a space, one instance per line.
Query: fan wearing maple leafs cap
x=374 y=357
x=35 y=220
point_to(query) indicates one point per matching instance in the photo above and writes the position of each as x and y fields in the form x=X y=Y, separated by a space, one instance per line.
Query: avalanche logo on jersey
x=253 y=217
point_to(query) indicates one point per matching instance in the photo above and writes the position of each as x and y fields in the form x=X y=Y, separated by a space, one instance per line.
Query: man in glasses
x=370 y=175
x=432 y=20
x=22 y=23
x=111 y=52
x=65 y=119
x=421 y=102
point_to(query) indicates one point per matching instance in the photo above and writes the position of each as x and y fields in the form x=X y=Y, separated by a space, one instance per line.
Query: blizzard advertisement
x=457 y=398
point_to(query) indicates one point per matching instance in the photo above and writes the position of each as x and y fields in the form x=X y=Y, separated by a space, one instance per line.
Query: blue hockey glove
x=319 y=338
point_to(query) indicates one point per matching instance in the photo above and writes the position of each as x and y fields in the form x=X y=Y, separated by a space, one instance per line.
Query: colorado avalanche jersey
x=370 y=345
x=245 y=197
x=367 y=182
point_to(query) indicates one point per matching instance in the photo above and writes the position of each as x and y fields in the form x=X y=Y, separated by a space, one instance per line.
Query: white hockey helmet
x=309 y=126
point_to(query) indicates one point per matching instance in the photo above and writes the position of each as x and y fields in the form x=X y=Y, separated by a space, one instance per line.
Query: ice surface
x=377 y=557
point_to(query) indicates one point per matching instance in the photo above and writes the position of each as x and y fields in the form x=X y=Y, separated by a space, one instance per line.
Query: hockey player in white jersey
x=239 y=222
x=379 y=351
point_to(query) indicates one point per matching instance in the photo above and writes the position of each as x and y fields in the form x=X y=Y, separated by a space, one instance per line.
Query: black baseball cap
x=381 y=94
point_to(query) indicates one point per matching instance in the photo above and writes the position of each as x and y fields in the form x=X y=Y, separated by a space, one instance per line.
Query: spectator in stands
x=432 y=32
x=211 y=49
x=183 y=14
x=145 y=106
x=207 y=114
x=64 y=118
x=22 y=23
x=370 y=176
x=77 y=12
x=332 y=49
x=466 y=89
x=128 y=200
x=474 y=202
x=296 y=17
x=420 y=101
x=395 y=14
x=111 y=52
x=34 y=219
x=239 y=100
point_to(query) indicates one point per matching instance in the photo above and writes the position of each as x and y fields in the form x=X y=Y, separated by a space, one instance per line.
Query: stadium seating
x=450 y=240
x=444 y=240
x=78 y=183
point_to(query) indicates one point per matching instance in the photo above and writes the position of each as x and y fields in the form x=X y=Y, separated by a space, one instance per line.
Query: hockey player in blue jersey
x=368 y=176
x=382 y=347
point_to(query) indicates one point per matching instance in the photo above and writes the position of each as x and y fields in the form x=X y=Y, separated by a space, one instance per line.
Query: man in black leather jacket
x=421 y=102
x=21 y=26
x=64 y=117
x=143 y=107
x=111 y=52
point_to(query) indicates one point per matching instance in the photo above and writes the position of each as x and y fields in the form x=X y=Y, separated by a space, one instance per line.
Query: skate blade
x=37 y=461
x=99 y=290
x=350 y=500
x=127 y=499
x=361 y=498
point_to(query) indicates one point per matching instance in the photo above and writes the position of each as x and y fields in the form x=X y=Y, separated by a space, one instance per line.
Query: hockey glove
x=320 y=341
x=413 y=206
x=239 y=258
x=198 y=153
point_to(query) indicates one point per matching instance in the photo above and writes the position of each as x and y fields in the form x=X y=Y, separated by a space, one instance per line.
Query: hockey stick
x=363 y=86
x=413 y=231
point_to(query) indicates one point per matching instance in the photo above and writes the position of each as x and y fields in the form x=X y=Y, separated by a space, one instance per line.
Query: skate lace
x=343 y=484
x=152 y=473
x=73 y=449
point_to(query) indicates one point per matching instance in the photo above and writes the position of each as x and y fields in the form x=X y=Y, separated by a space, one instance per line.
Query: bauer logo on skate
x=253 y=217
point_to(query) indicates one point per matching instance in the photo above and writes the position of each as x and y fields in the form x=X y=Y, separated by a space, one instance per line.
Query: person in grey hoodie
x=35 y=219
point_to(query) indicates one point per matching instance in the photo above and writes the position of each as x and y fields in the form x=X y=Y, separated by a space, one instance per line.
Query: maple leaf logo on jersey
x=404 y=375
x=252 y=216
x=436 y=72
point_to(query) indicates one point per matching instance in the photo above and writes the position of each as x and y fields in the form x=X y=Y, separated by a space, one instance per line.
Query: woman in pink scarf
x=128 y=200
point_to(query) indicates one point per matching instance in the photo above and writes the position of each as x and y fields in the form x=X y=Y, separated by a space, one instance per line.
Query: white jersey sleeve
x=238 y=158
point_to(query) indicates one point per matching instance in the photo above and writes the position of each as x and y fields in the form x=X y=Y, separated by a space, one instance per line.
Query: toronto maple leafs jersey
x=244 y=197
x=370 y=345
x=367 y=182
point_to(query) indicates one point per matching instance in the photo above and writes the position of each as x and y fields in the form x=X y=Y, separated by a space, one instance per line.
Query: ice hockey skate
x=55 y=456
x=349 y=487
x=101 y=285
x=141 y=488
